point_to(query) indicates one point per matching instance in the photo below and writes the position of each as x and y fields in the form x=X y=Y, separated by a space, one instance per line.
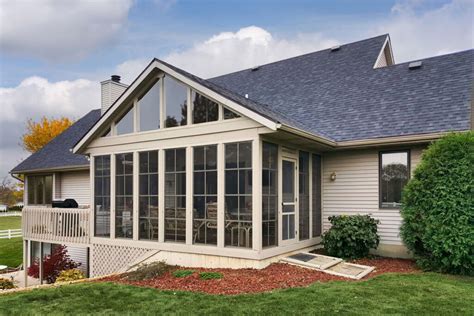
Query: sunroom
x=179 y=169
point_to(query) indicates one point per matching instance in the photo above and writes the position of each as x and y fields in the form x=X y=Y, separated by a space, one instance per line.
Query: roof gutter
x=65 y=168
x=302 y=133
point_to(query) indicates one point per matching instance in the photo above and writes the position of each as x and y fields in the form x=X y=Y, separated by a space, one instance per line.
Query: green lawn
x=416 y=294
x=11 y=252
x=10 y=222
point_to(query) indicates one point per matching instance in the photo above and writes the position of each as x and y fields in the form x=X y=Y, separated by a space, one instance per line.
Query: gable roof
x=339 y=94
x=56 y=154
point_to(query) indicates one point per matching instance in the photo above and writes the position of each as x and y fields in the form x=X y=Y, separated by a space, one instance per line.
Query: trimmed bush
x=70 y=275
x=351 y=236
x=182 y=273
x=6 y=284
x=210 y=275
x=438 y=206
x=148 y=271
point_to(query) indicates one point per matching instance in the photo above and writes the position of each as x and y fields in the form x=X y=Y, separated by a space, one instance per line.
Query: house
x=3 y=207
x=241 y=169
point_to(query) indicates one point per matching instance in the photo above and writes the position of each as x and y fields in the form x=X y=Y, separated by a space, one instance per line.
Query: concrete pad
x=350 y=270
x=18 y=278
x=312 y=260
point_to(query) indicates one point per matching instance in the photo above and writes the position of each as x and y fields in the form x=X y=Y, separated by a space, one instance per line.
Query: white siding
x=75 y=185
x=356 y=189
x=79 y=255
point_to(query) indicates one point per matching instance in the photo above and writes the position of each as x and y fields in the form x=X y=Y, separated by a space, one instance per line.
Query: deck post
x=41 y=263
x=25 y=262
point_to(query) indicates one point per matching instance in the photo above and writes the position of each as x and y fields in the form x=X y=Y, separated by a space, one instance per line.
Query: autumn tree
x=40 y=133
x=9 y=193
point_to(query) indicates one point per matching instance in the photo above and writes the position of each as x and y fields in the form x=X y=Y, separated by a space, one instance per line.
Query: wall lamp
x=332 y=177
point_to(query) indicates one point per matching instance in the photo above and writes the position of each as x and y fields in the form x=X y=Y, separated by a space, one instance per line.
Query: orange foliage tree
x=40 y=133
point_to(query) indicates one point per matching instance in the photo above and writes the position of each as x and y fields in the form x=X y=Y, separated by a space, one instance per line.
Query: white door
x=289 y=205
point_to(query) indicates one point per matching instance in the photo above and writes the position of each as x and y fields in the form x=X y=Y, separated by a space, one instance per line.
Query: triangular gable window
x=124 y=125
x=228 y=114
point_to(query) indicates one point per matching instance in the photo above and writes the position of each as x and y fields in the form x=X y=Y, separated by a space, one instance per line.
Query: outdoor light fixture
x=333 y=176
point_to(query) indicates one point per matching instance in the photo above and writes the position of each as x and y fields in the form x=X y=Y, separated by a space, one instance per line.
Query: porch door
x=289 y=201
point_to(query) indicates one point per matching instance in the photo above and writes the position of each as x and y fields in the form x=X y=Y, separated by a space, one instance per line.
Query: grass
x=11 y=252
x=415 y=294
x=10 y=222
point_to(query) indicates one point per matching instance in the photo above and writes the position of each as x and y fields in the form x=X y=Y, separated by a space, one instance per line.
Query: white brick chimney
x=111 y=89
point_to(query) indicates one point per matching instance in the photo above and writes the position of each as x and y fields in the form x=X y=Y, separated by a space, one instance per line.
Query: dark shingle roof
x=56 y=153
x=340 y=96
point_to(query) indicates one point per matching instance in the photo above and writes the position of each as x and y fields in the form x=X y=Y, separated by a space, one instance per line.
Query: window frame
x=43 y=175
x=394 y=151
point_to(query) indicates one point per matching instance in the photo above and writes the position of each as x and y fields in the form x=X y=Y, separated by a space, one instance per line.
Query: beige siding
x=79 y=255
x=75 y=185
x=356 y=191
x=110 y=91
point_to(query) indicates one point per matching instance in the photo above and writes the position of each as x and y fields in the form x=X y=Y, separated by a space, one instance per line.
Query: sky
x=53 y=54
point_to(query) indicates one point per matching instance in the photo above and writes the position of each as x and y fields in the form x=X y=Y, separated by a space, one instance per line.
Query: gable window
x=124 y=195
x=394 y=172
x=102 y=196
x=124 y=125
x=148 y=195
x=149 y=108
x=176 y=96
x=204 y=109
x=228 y=114
x=40 y=190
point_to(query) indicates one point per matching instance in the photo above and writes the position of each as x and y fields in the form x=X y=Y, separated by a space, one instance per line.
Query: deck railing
x=56 y=224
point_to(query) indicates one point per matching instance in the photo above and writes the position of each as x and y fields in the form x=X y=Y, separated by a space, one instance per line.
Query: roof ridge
x=431 y=57
x=300 y=56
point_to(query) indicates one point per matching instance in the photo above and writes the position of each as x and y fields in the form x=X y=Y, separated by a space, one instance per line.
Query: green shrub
x=6 y=284
x=148 y=271
x=438 y=206
x=70 y=275
x=182 y=273
x=210 y=275
x=351 y=236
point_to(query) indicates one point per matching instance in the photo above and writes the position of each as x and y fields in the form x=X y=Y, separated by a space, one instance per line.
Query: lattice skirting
x=107 y=259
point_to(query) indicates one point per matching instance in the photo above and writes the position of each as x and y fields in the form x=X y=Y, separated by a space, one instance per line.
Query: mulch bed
x=275 y=276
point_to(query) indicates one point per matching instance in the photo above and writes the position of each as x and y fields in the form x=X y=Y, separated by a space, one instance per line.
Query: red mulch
x=275 y=276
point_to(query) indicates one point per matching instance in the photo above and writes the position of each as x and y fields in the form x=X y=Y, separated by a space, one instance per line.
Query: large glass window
x=148 y=195
x=176 y=96
x=124 y=195
x=238 y=194
x=149 y=106
x=304 y=195
x=124 y=124
x=175 y=195
x=40 y=190
x=269 y=195
x=228 y=114
x=102 y=196
x=316 y=194
x=204 y=109
x=205 y=195
x=394 y=173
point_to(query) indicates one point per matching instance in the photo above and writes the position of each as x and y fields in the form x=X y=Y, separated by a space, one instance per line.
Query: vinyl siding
x=356 y=189
x=79 y=255
x=75 y=185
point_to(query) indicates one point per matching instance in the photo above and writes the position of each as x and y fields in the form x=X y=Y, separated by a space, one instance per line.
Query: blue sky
x=53 y=54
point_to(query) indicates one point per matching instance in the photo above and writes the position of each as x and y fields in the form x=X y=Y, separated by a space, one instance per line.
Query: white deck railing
x=56 y=224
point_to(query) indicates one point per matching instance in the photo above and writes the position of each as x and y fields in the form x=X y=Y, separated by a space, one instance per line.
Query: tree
x=438 y=206
x=40 y=133
x=9 y=193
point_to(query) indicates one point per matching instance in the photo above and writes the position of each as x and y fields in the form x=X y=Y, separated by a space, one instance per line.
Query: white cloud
x=419 y=34
x=230 y=51
x=33 y=98
x=60 y=30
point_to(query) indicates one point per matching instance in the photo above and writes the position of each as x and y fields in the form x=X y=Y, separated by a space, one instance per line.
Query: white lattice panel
x=107 y=259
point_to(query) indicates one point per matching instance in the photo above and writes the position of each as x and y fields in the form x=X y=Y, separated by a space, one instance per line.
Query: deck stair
x=327 y=264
